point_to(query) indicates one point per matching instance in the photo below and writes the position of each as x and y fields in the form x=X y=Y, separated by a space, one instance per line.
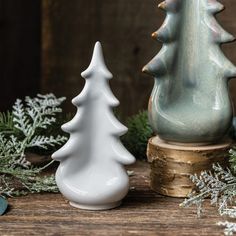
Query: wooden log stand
x=172 y=164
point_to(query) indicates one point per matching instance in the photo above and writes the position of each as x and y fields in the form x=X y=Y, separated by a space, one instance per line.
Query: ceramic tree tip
x=64 y=127
x=98 y=47
x=233 y=73
x=216 y=7
x=97 y=54
x=162 y=5
x=98 y=44
x=145 y=69
x=226 y=37
x=154 y=35
x=221 y=7
x=233 y=38
x=97 y=62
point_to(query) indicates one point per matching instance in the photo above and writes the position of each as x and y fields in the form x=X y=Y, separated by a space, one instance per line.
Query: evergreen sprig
x=229 y=227
x=232 y=160
x=6 y=121
x=220 y=186
x=139 y=131
x=21 y=131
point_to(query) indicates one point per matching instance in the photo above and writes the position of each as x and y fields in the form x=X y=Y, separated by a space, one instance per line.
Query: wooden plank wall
x=20 y=49
x=70 y=29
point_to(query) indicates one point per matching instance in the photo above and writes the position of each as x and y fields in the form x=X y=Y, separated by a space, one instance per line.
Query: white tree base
x=96 y=207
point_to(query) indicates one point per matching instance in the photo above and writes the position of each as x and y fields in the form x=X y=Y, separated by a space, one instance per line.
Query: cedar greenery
x=220 y=186
x=20 y=131
x=232 y=160
x=23 y=130
x=139 y=131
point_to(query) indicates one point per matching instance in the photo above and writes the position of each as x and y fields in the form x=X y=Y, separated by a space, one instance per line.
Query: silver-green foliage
x=232 y=160
x=229 y=227
x=220 y=186
x=18 y=133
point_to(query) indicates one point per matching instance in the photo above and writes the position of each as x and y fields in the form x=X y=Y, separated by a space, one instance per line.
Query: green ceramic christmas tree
x=190 y=100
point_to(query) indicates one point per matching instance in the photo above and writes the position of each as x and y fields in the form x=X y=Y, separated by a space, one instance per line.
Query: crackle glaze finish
x=91 y=173
x=190 y=101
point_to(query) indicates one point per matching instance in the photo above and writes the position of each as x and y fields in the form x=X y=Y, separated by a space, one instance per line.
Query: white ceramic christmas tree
x=91 y=173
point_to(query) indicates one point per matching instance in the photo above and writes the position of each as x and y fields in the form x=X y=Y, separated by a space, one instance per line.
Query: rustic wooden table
x=143 y=213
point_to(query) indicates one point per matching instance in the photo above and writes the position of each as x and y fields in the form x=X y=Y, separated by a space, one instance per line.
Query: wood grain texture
x=20 y=50
x=143 y=213
x=70 y=29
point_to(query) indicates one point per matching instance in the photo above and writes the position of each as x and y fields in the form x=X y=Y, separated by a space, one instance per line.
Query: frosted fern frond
x=44 y=184
x=44 y=142
x=10 y=151
x=28 y=181
x=43 y=108
x=219 y=185
x=20 y=118
x=48 y=104
x=232 y=159
x=230 y=228
x=230 y=212
x=22 y=131
x=47 y=122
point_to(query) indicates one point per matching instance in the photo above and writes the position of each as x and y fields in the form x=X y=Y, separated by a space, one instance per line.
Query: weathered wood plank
x=19 y=50
x=143 y=213
x=70 y=28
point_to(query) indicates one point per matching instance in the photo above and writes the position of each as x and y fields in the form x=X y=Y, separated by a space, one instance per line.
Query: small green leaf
x=3 y=205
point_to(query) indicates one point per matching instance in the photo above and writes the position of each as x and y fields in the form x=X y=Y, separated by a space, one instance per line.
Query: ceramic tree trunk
x=91 y=173
x=190 y=101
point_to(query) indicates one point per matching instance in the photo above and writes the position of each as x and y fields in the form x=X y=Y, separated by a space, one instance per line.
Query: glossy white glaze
x=91 y=173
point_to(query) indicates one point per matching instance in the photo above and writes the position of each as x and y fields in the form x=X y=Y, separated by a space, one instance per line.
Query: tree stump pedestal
x=172 y=164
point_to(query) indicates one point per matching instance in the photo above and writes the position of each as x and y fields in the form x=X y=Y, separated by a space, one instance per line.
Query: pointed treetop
x=97 y=64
